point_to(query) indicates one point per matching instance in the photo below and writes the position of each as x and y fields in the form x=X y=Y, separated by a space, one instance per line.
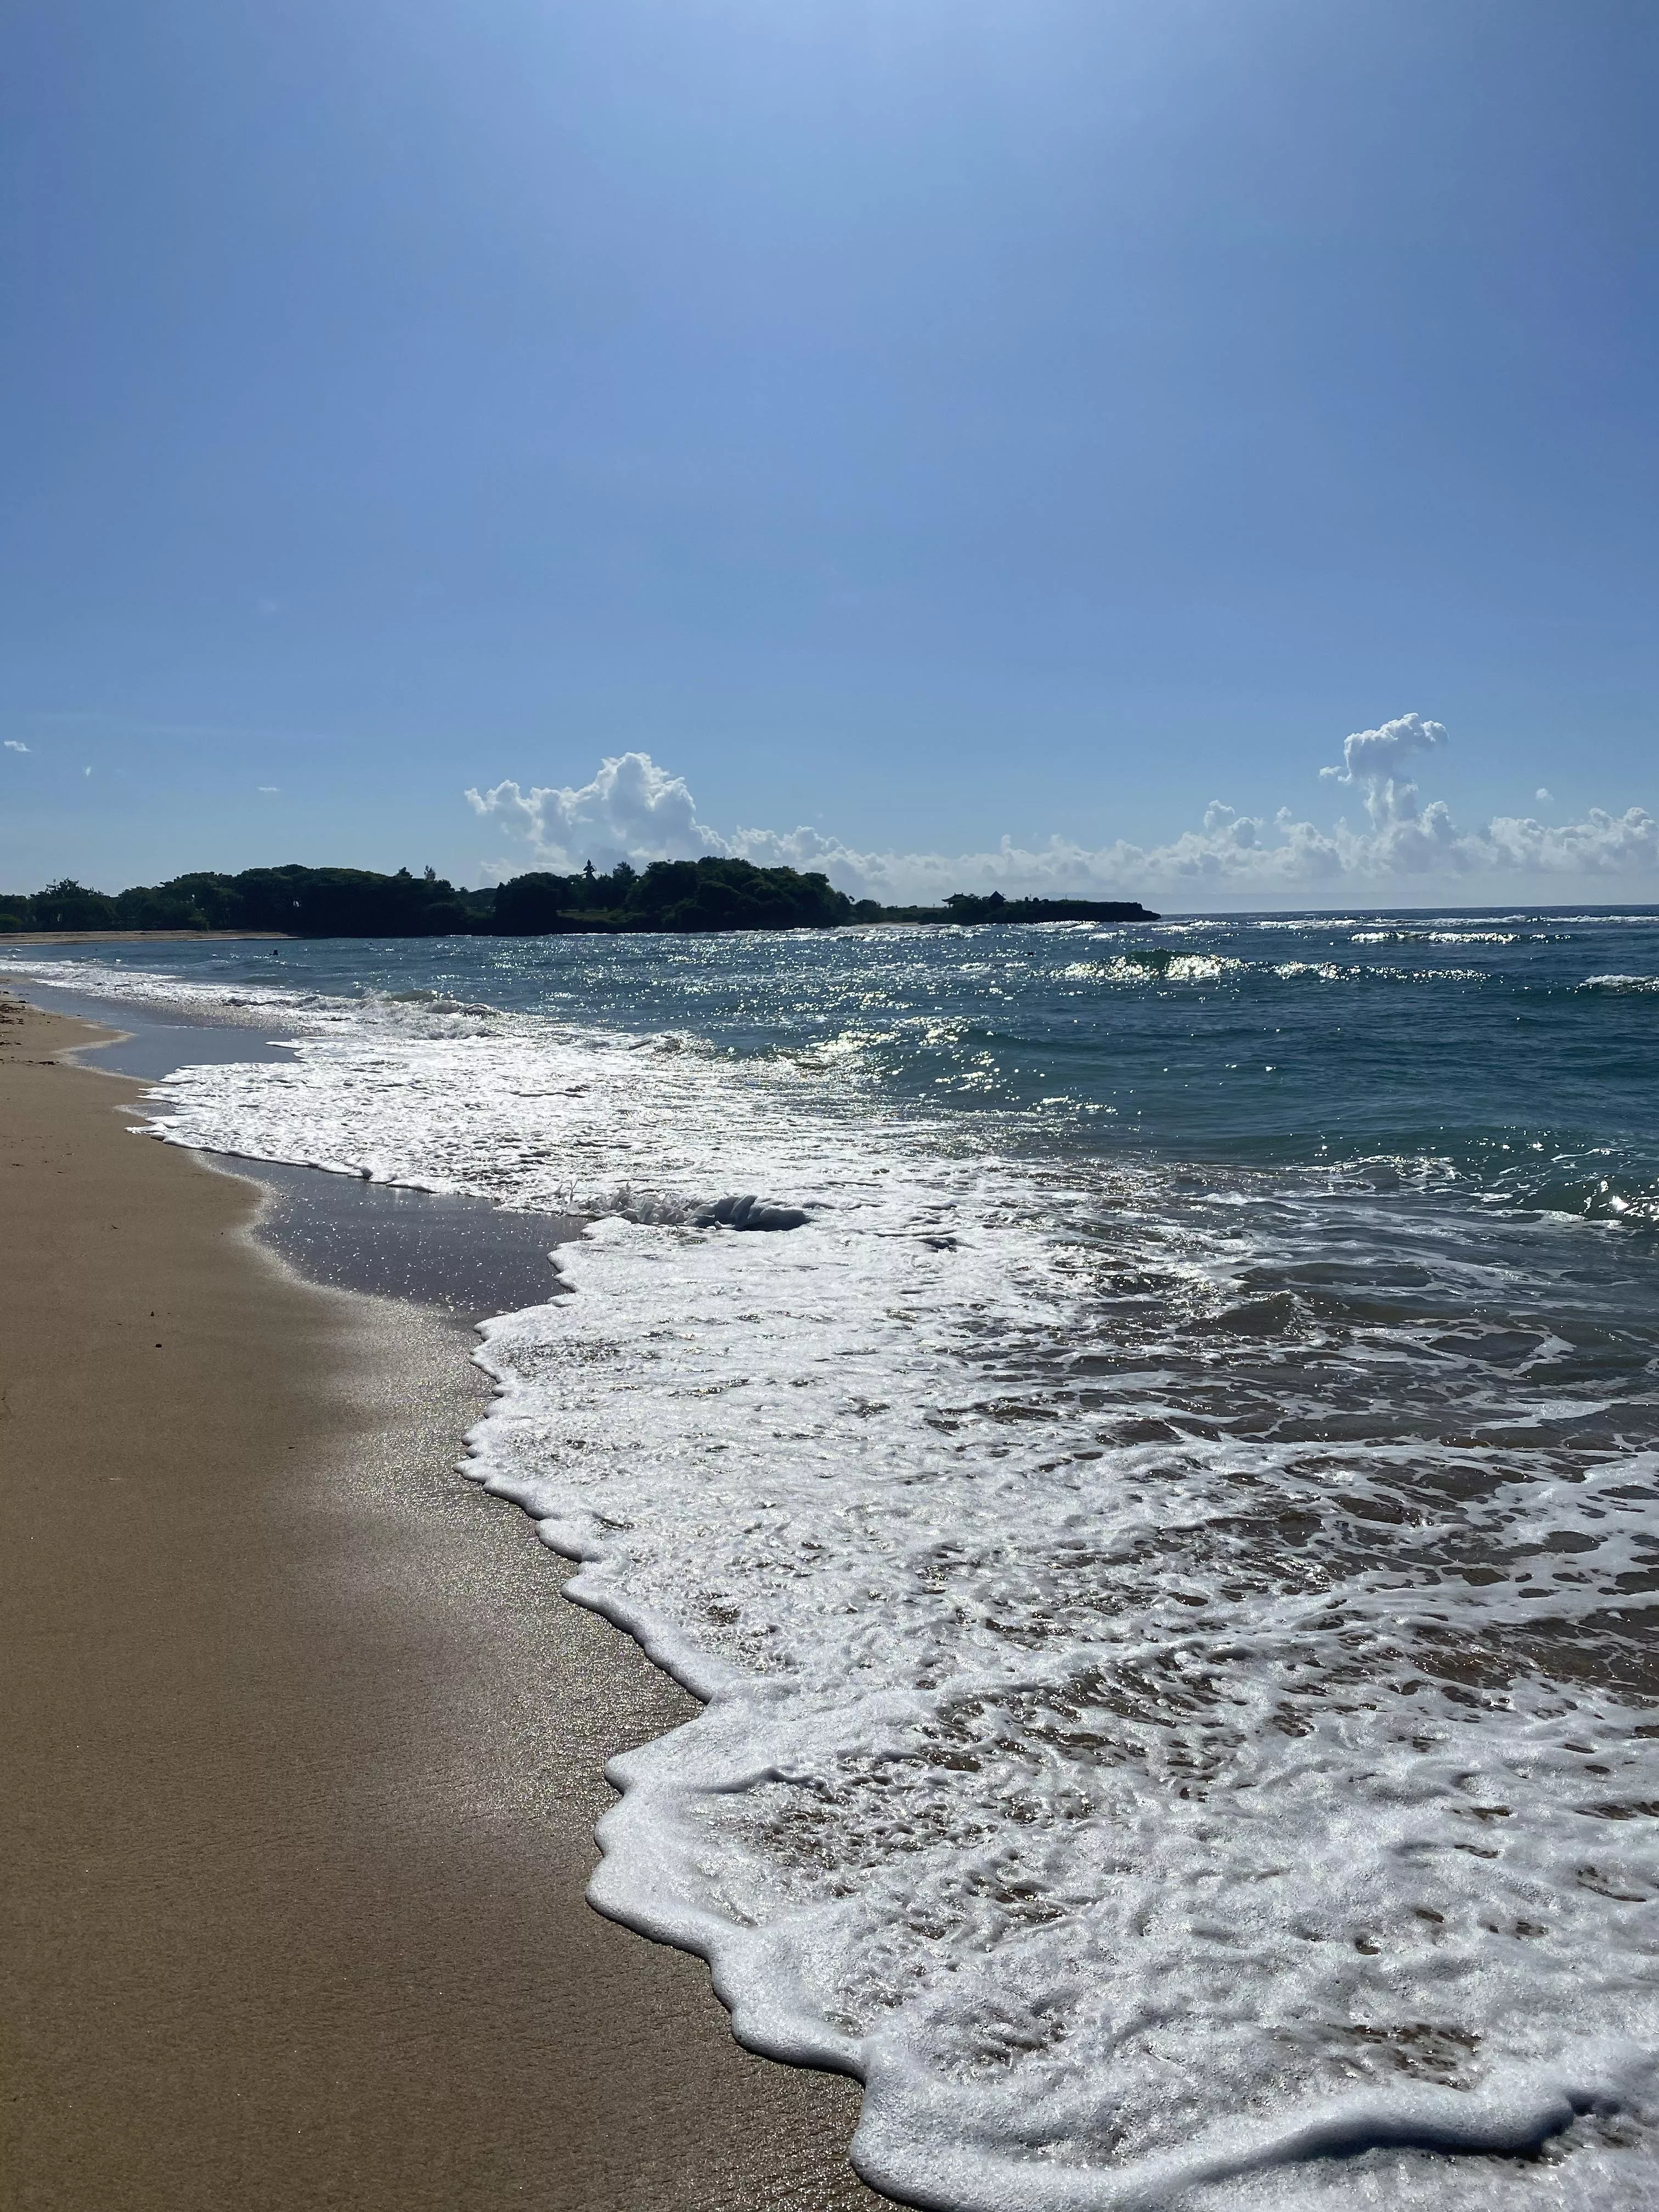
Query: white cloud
x=270 y=790
x=1371 y=759
x=634 y=810
x=1548 y=797
x=15 y=745
x=1373 y=756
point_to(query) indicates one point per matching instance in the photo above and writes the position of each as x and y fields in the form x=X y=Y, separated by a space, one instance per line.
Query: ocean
x=1159 y=1493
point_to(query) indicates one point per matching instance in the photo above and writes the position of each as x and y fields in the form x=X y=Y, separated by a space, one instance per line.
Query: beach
x=304 y=1749
x=1164 y=1535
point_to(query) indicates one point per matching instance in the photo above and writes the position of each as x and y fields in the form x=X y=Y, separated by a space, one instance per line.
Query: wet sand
x=303 y=1752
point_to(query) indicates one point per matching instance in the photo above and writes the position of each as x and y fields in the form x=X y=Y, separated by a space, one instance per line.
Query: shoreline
x=306 y=1748
x=145 y=937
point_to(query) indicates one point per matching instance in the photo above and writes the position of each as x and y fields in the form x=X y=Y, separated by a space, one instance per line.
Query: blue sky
x=929 y=422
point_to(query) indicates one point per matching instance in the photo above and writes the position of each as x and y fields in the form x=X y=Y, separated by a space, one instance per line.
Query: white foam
x=1138 y=970
x=1164 y=1726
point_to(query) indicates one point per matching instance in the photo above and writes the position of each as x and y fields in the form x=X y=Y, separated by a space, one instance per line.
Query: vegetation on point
x=677 y=896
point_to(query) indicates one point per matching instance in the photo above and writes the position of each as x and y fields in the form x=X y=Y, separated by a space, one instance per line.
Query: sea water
x=1167 y=1541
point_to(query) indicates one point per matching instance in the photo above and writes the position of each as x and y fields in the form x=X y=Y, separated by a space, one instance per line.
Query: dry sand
x=302 y=1751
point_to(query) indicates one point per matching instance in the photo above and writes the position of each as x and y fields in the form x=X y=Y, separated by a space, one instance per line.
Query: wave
x=1155 y=964
x=1441 y=936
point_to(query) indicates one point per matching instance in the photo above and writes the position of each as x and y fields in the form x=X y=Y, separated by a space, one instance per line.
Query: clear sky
x=932 y=422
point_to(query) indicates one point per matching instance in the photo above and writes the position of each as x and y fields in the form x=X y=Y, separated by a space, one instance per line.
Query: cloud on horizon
x=634 y=810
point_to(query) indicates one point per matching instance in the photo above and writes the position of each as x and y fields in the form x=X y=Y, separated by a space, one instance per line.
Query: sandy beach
x=144 y=937
x=303 y=1750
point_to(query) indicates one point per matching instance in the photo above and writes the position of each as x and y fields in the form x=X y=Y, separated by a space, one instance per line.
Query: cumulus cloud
x=637 y=811
x=1372 y=758
x=15 y=745
x=632 y=810
x=1548 y=797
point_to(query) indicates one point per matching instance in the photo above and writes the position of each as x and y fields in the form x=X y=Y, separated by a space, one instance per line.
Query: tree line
x=701 y=895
